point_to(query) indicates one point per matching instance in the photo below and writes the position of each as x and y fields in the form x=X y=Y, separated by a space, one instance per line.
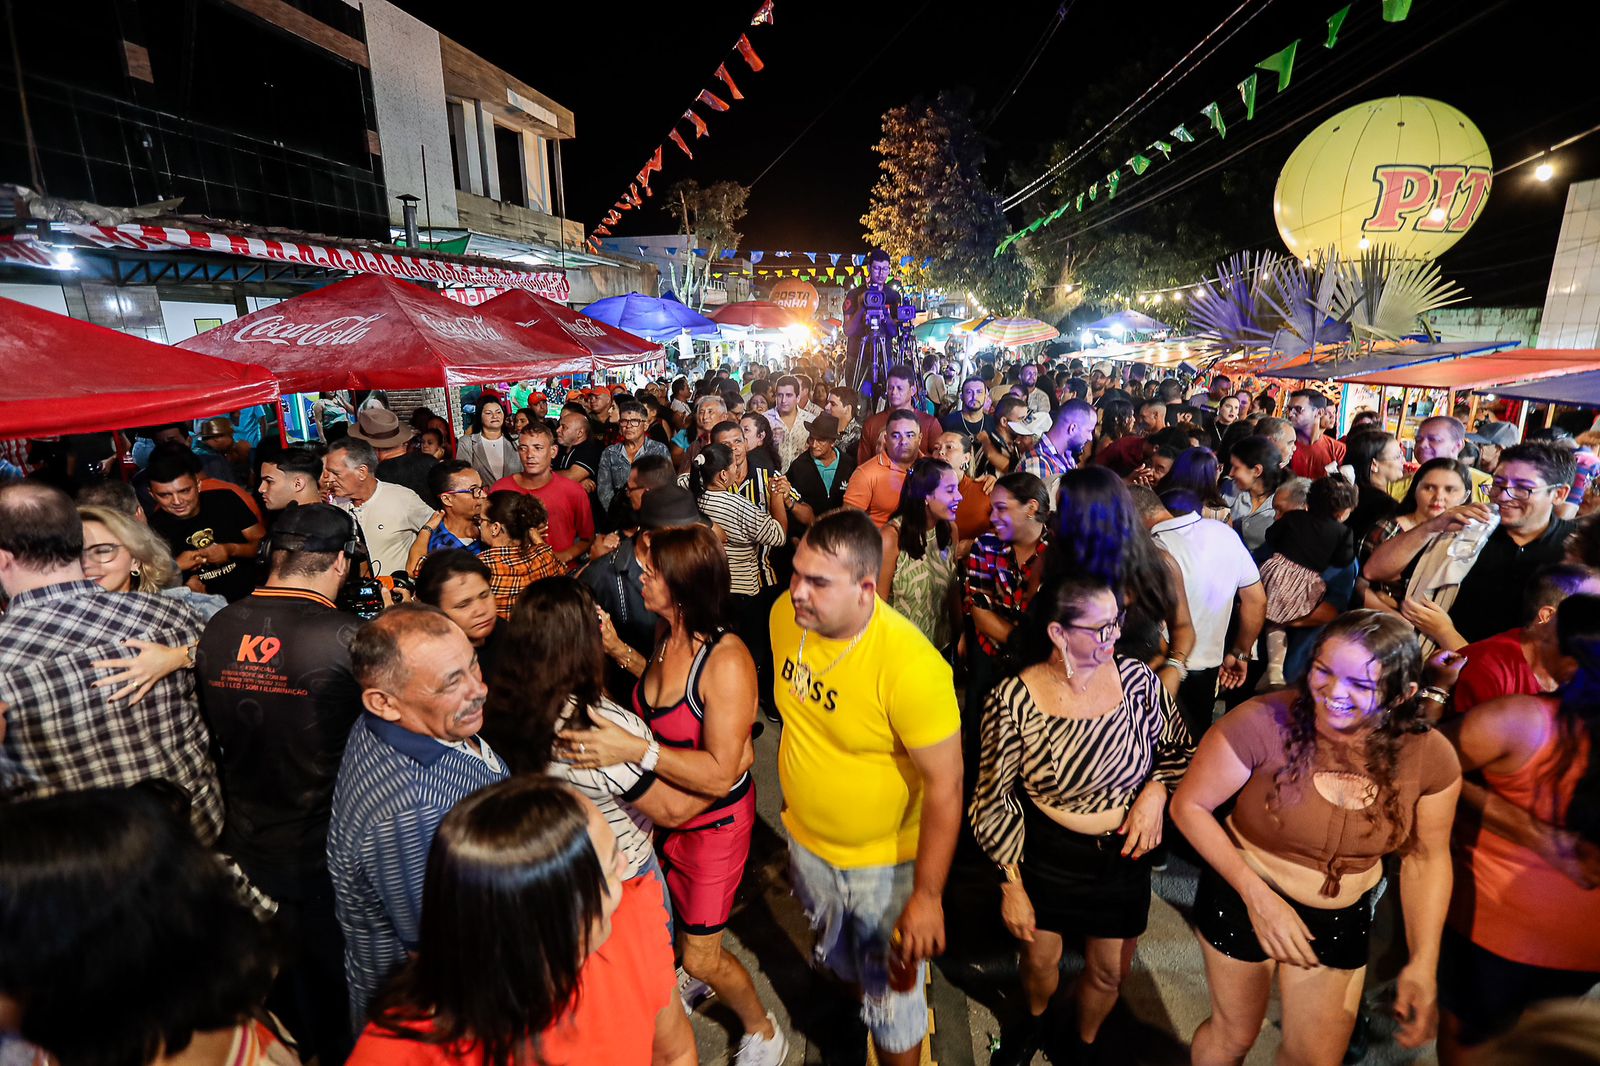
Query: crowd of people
x=400 y=746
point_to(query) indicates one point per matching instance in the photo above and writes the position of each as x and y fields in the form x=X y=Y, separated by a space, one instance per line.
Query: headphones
x=351 y=548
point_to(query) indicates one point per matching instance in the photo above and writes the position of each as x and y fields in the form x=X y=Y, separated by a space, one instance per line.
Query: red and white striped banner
x=27 y=251
x=551 y=284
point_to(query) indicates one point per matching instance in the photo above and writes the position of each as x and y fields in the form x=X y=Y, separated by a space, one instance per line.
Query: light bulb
x=1156 y=298
x=1177 y=297
x=1436 y=215
x=1364 y=244
x=1544 y=172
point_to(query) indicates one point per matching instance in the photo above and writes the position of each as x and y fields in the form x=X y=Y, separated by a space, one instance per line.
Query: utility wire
x=1038 y=53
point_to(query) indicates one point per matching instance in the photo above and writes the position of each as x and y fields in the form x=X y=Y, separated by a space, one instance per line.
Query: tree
x=930 y=202
x=708 y=214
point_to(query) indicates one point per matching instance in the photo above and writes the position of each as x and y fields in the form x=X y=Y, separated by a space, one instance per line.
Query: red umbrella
x=756 y=314
x=611 y=347
x=375 y=332
x=68 y=376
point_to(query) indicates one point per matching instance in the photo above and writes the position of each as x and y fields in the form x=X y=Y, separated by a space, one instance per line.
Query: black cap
x=669 y=505
x=317 y=527
x=823 y=427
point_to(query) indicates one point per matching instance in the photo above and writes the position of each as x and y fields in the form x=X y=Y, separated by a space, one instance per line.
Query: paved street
x=1164 y=998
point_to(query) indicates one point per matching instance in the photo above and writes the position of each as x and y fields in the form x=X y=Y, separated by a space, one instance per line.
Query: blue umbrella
x=650 y=317
x=1131 y=321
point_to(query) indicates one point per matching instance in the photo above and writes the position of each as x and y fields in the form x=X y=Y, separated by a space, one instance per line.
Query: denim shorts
x=853 y=914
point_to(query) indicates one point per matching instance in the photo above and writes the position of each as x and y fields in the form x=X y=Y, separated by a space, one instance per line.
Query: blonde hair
x=157 y=569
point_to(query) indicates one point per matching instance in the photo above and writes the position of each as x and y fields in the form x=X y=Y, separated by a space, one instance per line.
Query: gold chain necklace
x=800 y=683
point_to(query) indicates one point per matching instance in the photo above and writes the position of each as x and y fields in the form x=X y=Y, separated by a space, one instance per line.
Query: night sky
x=1521 y=71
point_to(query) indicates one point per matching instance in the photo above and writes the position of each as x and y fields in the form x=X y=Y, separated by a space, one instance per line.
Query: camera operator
x=874 y=302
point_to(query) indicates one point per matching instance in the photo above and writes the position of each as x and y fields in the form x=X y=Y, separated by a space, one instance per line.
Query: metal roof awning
x=1393 y=359
x=1569 y=390
x=1483 y=371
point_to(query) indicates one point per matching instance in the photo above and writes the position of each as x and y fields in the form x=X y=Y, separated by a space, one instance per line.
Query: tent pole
x=1549 y=415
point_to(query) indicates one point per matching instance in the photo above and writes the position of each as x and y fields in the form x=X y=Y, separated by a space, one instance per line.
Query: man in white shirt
x=1216 y=568
x=789 y=421
x=389 y=515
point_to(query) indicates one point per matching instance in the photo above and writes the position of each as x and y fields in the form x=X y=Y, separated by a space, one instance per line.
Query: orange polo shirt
x=972 y=517
x=875 y=489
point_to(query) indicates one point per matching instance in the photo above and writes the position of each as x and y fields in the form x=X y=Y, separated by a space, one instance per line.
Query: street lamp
x=1544 y=172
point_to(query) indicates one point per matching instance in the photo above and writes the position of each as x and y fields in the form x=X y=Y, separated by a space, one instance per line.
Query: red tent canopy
x=374 y=332
x=610 y=346
x=67 y=376
x=1481 y=371
x=756 y=314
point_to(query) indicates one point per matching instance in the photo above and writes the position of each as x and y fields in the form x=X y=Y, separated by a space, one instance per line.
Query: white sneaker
x=692 y=990
x=763 y=1050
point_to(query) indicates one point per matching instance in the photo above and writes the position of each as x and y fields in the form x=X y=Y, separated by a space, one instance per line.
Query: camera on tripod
x=874 y=303
x=905 y=313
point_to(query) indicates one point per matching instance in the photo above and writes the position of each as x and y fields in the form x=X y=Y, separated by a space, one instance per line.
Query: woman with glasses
x=1080 y=751
x=488 y=449
x=458 y=490
x=633 y=424
x=698 y=693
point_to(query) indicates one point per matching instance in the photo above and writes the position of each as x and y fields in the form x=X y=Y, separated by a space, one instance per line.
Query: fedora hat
x=381 y=428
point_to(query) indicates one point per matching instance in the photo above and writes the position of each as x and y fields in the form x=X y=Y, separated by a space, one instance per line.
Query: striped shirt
x=394 y=788
x=748 y=531
x=1076 y=765
x=614 y=788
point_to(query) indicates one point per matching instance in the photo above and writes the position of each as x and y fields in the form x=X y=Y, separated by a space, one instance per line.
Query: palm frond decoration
x=1301 y=298
x=1227 y=313
x=1384 y=297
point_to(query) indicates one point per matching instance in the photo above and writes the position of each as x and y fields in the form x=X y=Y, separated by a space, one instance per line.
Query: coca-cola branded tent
x=62 y=375
x=612 y=347
x=374 y=332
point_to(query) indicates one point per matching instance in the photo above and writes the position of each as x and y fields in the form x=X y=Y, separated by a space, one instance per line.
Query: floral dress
x=921 y=588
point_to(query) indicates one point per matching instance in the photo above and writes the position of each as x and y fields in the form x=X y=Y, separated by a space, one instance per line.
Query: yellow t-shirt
x=1480 y=485
x=851 y=793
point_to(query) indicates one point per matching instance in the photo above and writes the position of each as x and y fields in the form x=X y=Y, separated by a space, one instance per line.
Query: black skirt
x=1082 y=885
x=1221 y=917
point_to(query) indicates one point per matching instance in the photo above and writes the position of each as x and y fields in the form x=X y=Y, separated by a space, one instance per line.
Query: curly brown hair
x=1393 y=644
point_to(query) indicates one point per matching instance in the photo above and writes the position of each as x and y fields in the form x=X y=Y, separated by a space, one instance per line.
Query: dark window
x=456 y=118
x=513 y=175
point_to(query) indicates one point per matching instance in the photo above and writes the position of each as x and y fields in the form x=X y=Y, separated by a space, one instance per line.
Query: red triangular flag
x=764 y=15
x=655 y=161
x=751 y=60
x=626 y=205
x=633 y=194
x=677 y=139
x=603 y=231
x=727 y=79
x=643 y=178
x=711 y=100
x=700 y=128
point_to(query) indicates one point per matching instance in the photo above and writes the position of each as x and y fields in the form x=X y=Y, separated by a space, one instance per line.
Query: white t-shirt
x=611 y=787
x=1215 y=566
x=389 y=523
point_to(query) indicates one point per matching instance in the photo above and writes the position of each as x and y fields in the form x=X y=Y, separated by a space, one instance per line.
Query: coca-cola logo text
x=462 y=329
x=348 y=329
x=581 y=327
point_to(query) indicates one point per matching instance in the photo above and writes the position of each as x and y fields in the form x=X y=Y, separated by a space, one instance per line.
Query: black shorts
x=1221 y=917
x=1488 y=993
x=1081 y=885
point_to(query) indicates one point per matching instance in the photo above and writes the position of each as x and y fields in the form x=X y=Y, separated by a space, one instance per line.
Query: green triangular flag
x=1079 y=205
x=1182 y=134
x=1247 y=93
x=1057 y=213
x=1281 y=63
x=1094 y=191
x=1396 y=10
x=1139 y=163
x=1111 y=182
x=1335 y=21
x=1164 y=148
x=1214 y=113
x=1034 y=225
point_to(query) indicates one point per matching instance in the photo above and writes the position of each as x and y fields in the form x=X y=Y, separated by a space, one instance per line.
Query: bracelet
x=1178 y=665
x=1434 y=693
x=1242 y=656
x=652 y=755
x=1012 y=873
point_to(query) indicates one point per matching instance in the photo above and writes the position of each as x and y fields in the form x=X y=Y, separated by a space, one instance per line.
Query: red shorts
x=705 y=865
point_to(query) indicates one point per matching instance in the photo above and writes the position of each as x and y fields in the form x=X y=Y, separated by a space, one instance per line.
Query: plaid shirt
x=995 y=581
x=513 y=568
x=62 y=734
x=1046 y=462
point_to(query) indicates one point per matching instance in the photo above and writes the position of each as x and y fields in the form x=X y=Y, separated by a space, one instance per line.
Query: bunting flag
x=1182 y=134
x=764 y=15
x=1094 y=192
x=613 y=218
x=603 y=231
x=1139 y=163
x=858 y=259
x=1335 y=22
x=654 y=163
x=727 y=79
x=753 y=61
x=811 y=256
x=677 y=139
x=729 y=253
x=1280 y=63
x=711 y=100
x=1393 y=11
x=626 y=205
x=1080 y=201
x=1214 y=113
x=928 y=262
x=756 y=257
x=700 y=127
x=1247 y=93
x=633 y=194
x=1111 y=182
x=833 y=257
x=642 y=249
x=830 y=271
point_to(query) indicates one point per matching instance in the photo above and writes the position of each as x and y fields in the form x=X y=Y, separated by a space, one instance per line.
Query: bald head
x=1074 y=426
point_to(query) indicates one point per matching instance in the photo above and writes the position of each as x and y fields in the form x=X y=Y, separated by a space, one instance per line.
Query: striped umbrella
x=1010 y=332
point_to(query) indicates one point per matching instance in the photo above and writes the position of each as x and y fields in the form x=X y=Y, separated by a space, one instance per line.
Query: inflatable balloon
x=1405 y=171
x=797 y=296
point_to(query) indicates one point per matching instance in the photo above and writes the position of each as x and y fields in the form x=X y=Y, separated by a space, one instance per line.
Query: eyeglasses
x=476 y=492
x=633 y=422
x=1519 y=493
x=1104 y=633
x=101 y=553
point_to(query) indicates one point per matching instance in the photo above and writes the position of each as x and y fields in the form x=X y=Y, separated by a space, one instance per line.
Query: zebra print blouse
x=1078 y=765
